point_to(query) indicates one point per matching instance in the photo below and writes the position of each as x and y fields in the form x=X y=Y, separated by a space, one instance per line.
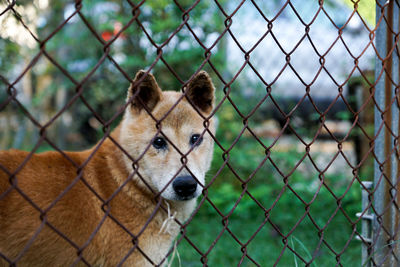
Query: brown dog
x=96 y=207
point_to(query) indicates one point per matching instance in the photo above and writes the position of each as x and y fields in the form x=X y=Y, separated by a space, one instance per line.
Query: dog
x=121 y=202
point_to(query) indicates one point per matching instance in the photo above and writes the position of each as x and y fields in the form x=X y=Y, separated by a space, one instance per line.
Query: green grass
x=267 y=245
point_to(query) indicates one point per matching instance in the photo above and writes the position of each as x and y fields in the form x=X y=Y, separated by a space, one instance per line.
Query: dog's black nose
x=184 y=186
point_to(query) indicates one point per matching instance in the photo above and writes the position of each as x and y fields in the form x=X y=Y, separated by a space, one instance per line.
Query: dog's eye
x=196 y=140
x=159 y=143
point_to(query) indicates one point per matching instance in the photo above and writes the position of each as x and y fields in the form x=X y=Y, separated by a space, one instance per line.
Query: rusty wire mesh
x=200 y=251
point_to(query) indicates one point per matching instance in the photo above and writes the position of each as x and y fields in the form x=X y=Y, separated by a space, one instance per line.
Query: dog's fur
x=31 y=238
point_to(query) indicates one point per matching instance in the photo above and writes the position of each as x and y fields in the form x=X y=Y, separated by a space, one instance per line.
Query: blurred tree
x=75 y=47
x=16 y=50
x=77 y=50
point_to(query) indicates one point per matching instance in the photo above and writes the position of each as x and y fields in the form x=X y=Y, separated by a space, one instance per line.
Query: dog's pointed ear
x=149 y=93
x=200 y=91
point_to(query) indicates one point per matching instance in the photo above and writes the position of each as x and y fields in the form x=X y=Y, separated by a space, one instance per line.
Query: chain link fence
x=303 y=173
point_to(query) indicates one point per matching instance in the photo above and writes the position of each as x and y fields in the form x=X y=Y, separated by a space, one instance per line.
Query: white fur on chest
x=159 y=243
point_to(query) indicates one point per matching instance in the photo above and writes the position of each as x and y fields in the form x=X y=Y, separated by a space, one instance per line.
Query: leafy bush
x=305 y=223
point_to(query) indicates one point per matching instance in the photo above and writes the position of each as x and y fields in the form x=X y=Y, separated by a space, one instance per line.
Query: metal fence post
x=394 y=138
x=366 y=224
x=385 y=251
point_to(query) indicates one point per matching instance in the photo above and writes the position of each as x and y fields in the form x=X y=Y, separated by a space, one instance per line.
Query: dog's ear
x=200 y=92
x=149 y=92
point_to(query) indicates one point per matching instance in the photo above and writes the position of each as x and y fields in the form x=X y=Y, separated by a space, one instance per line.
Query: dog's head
x=165 y=131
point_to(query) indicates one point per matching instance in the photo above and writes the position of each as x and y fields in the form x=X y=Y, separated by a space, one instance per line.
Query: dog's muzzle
x=185 y=187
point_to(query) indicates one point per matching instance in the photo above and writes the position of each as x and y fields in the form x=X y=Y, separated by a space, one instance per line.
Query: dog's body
x=92 y=206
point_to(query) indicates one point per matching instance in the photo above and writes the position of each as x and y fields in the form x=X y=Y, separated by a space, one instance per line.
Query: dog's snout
x=184 y=186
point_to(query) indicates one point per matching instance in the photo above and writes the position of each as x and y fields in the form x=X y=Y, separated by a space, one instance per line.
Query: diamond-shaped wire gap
x=289 y=214
x=359 y=85
x=212 y=241
x=110 y=21
x=74 y=49
x=233 y=127
x=235 y=59
x=266 y=123
x=297 y=116
x=203 y=237
x=333 y=216
x=247 y=37
x=332 y=158
x=305 y=11
x=205 y=24
x=163 y=36
x=276 y=54
x=296 y=242
x=340 y=184
x=246 y=146
x=338 y=64
x=286 y=156
x=334 y=118
x=356 y=39
x=306 y=62
x=182 y=56
x=44 y=92
x=288 y=32
x=270 y=10
x=304 y=246
x=104 y=93
x=266 y=189
x=248 y=95
x=266 y=244
x=154 y=19
x=30 y=90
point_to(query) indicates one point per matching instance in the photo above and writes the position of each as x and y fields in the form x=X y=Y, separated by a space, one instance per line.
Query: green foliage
x=283 y=210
